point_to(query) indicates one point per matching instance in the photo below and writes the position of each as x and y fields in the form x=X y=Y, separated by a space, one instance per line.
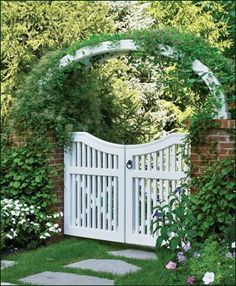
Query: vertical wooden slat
x=93 y=158
x=174 y=158
x=136 y=186
x=109 y=161
x=149 y=215
x=104 y=194
x=161 y=160
x=143 y=207
x=99 y=202
x=115 y=202
x=167 y=159
x=149 y=162
x=73 y=155
x=83 y=155
x=89 y=202
x=88 y=157
x=154 y=156
x=94 y=201
x=179 y=158
x=104 y=160
x=84 y=200
x=115 y=161
x=161 y=190
x=78 y=201
x=109 y=204
x=143 y=162
x=73 y=201
x=99 y=159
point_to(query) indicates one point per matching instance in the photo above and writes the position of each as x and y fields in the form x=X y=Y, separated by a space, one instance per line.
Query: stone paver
x=7 y=263
x=134 y=253
x=5 y=283
x=61 y=278
x=105 y=265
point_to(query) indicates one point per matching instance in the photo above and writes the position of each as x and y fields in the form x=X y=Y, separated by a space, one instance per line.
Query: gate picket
x=106 y=200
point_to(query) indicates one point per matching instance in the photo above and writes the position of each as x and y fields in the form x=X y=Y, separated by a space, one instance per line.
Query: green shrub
x=27 y=176
x=213 y=205
x=170 y=219
x=212 y=259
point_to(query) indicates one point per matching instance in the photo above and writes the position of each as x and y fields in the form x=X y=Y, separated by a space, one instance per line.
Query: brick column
x=219 y=145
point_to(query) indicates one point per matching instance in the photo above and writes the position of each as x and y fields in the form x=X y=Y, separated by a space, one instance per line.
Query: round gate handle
x=129 y=164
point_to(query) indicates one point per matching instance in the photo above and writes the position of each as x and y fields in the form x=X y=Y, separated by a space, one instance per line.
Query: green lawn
x=68 y=250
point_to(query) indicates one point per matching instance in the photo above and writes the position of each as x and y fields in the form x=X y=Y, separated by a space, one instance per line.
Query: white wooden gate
x=111 y=189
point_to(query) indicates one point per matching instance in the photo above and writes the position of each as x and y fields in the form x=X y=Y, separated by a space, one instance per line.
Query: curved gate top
x=111 y=189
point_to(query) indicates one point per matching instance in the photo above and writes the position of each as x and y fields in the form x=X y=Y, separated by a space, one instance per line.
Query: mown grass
x=69 y=250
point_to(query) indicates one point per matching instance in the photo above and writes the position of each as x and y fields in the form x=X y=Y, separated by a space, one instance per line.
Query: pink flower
x=171 y=265
x=190 y=280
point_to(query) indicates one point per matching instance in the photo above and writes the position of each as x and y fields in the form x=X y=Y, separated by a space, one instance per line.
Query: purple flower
x=186 y=246
x=178 y=190
x=181 y=257
x=190 y=280
x=171 y=265
x=157 y=215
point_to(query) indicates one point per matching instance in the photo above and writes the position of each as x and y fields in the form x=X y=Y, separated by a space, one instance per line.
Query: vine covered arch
x=124 y=46
x=41 y=101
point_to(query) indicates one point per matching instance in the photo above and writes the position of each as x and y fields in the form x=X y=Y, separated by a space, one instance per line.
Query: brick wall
x=220 y=145
x=58 y=163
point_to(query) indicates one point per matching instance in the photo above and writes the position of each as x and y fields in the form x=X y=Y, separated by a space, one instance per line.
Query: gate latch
x=129 y=164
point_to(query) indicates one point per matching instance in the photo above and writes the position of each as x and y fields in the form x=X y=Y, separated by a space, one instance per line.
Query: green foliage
x=171 y=221
x=213 y=205
x=31 y=28
x=27 y=176
x=212 y=259
x=208 y=19
x=43 y=97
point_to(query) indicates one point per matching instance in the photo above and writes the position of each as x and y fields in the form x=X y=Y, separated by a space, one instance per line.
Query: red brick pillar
x=219 y=145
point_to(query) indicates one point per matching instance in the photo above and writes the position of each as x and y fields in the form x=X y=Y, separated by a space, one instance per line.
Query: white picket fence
x=111 y=189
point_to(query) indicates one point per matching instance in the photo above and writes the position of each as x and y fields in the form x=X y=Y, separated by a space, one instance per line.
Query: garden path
x=114 y=266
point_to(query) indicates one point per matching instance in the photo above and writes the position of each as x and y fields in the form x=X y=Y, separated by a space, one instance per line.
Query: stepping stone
x=105 y=265
x=61 y=278
x=5 y=283
x=7 y=263
x=134 y=253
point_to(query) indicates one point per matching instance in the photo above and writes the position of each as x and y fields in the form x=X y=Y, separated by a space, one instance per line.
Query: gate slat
x=136 y=187
x=89 y=202
x=94 y=202
x=78 y=201
x=73 y=201
x=143 y=207
x=109 y=204
x=149 y=207
x=115 y=202
x=84 y=200
x=99 y=202
x=104 y=202
x=161 y=160
x=174 y=158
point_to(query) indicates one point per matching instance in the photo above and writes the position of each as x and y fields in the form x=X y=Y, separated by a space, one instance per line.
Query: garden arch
x=112 y=49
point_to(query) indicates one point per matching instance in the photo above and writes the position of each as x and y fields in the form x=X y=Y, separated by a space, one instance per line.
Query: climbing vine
x=47 y=101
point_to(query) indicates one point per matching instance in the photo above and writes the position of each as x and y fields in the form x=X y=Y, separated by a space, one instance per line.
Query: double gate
x=111 y=189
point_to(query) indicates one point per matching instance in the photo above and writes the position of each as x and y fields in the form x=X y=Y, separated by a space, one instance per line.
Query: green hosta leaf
x=175 y=241
x=159 y=242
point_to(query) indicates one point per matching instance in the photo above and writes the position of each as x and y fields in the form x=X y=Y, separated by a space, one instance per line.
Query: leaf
x=159 y=242
x=175 y=241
